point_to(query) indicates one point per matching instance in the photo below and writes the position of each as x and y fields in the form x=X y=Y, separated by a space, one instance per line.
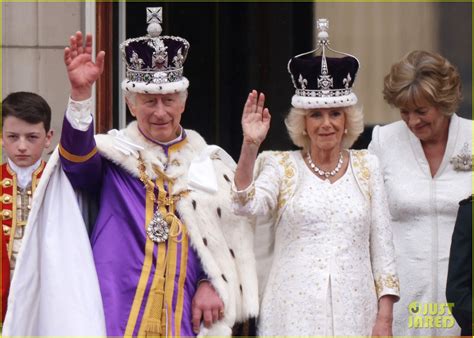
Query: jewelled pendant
x=158 y=229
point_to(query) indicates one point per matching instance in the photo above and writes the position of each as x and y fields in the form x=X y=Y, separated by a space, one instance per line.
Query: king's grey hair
x=132 y=96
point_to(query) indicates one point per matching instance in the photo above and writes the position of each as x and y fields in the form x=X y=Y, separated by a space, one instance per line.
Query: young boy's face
x=24 y=142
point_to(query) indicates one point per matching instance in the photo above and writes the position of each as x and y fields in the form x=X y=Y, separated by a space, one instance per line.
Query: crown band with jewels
x=154 y=63
x=323 y=82
x=154 y=77
x=323 y=93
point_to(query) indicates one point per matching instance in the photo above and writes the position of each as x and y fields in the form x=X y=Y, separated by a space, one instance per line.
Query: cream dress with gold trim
x=333 y=252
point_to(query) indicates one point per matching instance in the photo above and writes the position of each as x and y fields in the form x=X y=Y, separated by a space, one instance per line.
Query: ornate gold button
x=28 y=192
x=6 y=199
x=7 y=182
x=6 y=230
x=6 y=215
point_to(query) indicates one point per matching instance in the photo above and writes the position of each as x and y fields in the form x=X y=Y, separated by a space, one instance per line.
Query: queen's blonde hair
x=423 y=76
x=295 y=123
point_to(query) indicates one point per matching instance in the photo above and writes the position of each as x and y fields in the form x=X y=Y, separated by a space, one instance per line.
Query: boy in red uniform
x=26 y=121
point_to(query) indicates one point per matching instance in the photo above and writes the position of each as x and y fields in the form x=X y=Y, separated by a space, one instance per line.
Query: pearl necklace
x=321 y=172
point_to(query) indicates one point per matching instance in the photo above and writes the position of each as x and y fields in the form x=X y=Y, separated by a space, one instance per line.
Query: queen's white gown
x=333 y=252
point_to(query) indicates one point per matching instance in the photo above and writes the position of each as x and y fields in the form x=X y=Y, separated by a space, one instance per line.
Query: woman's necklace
x=321 y=172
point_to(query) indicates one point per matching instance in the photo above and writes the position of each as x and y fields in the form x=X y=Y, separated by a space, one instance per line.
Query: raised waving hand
x=82 y=71
x=255 y=125
x=255 y=119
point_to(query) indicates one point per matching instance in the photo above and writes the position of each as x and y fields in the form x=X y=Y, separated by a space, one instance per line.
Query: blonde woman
x=333 y=266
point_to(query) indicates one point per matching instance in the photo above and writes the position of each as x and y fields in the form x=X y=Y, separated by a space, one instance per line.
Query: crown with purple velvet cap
x=320 y=81
x=154 y=63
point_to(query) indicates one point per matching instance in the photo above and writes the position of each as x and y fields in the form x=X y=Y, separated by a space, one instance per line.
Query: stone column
x=34 y=36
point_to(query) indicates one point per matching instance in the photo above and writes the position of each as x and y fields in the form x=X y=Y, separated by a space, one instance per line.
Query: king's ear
x=131 y=106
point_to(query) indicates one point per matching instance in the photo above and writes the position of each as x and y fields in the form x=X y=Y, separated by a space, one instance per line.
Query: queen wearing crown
x=325 y=252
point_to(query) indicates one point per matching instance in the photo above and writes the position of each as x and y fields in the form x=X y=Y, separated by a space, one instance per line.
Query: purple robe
x=138 y=278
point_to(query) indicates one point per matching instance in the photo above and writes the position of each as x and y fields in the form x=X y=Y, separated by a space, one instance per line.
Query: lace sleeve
x=382 y=250
x=261 y=196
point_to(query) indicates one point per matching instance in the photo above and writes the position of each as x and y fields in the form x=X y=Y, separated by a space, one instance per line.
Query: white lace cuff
x=242 y=197
x=78 y=114
x=387 y=284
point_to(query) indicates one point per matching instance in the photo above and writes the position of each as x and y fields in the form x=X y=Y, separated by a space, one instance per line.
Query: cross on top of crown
x=322 y=24
x=154 y=14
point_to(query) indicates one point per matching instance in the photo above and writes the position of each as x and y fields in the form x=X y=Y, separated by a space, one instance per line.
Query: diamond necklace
x=321 y=172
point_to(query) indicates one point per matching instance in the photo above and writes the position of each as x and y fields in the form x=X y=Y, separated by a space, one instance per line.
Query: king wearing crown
x=169 y=257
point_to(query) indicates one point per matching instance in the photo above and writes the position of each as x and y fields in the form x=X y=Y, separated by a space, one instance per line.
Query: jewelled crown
x=320 y=81
x=154 y=63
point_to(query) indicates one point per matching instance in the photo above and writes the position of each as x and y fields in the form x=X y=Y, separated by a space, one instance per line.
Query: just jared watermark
x=430 y=315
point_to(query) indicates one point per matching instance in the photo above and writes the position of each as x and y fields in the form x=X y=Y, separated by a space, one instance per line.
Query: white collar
x=23 y=175
x=177 y=139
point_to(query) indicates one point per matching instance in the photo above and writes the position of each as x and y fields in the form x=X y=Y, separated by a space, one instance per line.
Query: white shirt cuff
x=78 y=114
